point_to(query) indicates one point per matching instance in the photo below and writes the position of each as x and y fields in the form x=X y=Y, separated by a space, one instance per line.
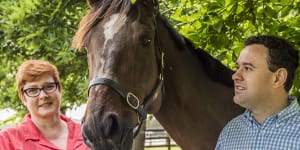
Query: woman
x=44 y=128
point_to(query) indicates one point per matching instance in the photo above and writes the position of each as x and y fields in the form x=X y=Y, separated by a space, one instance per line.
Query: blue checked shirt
x=278 y=132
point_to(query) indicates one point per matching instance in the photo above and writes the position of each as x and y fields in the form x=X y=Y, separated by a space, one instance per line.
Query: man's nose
x=237 y=75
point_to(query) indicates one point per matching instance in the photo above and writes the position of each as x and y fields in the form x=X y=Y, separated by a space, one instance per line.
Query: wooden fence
x=158 y=138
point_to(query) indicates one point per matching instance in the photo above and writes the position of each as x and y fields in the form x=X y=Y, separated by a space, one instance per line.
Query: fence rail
x=158 y=138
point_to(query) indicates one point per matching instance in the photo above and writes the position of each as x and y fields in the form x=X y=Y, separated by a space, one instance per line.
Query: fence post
x=139 y=140
x=169 y=143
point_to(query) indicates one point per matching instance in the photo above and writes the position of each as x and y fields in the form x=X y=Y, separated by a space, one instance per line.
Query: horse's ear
x=150 y=4
x=154 y=3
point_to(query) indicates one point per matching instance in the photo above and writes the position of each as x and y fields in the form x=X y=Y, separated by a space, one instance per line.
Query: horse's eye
x=146 y=41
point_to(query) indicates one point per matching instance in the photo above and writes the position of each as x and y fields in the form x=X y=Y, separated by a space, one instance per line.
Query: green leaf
x=133 y=2
x=43 y=29
x=270 y=12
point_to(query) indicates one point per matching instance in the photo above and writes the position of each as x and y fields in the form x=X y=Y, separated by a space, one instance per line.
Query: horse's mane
x=214 y=68
x=98 y=11
x=104 y=8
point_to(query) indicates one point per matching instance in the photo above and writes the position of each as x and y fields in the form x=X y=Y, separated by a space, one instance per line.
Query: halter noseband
x=130 y=98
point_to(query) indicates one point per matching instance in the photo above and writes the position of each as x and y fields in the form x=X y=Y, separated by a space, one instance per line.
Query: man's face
x=253 y=79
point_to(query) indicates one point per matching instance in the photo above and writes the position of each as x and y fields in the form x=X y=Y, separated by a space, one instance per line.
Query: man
x=264 y=76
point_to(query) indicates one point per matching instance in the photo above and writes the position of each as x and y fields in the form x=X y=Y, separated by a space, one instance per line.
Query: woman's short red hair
x=31 y=70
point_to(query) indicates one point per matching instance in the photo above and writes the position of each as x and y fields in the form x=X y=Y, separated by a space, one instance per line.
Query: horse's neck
x=194 y=107
x=192 y=103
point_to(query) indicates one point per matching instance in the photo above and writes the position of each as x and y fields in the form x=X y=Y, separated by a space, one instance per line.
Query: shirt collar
x=281 y=116
x=31 y=132
x=289 y=111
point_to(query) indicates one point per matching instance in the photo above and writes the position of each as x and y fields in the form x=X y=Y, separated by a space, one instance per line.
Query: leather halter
x=132 y=100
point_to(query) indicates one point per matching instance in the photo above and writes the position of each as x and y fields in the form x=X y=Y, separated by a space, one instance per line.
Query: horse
x=138 y=65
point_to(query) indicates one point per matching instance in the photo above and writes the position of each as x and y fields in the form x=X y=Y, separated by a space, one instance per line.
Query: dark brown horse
x=139 y=64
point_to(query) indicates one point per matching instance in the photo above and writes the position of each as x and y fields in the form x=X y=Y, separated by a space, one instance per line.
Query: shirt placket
x=261 y=137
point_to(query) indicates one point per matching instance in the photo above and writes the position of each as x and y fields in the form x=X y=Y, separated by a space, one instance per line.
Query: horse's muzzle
x=107 y=134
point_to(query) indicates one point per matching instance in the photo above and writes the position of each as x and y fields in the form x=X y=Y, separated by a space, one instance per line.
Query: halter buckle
x=133 y=104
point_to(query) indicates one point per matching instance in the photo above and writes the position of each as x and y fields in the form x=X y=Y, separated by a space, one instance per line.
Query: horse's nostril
x=110 y=125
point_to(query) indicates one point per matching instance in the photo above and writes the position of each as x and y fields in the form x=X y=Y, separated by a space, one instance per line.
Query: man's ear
x=280 y=77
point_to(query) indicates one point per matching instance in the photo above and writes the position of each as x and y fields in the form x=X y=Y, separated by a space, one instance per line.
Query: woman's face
x=42 y=97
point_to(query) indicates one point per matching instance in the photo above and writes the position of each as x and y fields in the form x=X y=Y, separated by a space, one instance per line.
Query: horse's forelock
x=98 y=11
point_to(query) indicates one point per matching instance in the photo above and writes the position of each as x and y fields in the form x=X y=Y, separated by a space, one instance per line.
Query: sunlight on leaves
x=133 y=2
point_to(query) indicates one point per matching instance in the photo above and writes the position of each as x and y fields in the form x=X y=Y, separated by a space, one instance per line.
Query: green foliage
x=133 y=1
x=38 y=29
x=220 y=26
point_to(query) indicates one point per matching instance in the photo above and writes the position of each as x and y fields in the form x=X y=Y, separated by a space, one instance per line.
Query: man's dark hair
x=281 y=54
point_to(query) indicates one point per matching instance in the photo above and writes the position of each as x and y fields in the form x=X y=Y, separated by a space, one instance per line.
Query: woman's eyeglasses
x=34 y=92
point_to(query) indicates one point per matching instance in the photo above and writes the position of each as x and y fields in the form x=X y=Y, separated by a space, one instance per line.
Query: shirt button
x=262 y=131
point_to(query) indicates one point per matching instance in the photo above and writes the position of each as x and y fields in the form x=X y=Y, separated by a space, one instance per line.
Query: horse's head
x=125 y=63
